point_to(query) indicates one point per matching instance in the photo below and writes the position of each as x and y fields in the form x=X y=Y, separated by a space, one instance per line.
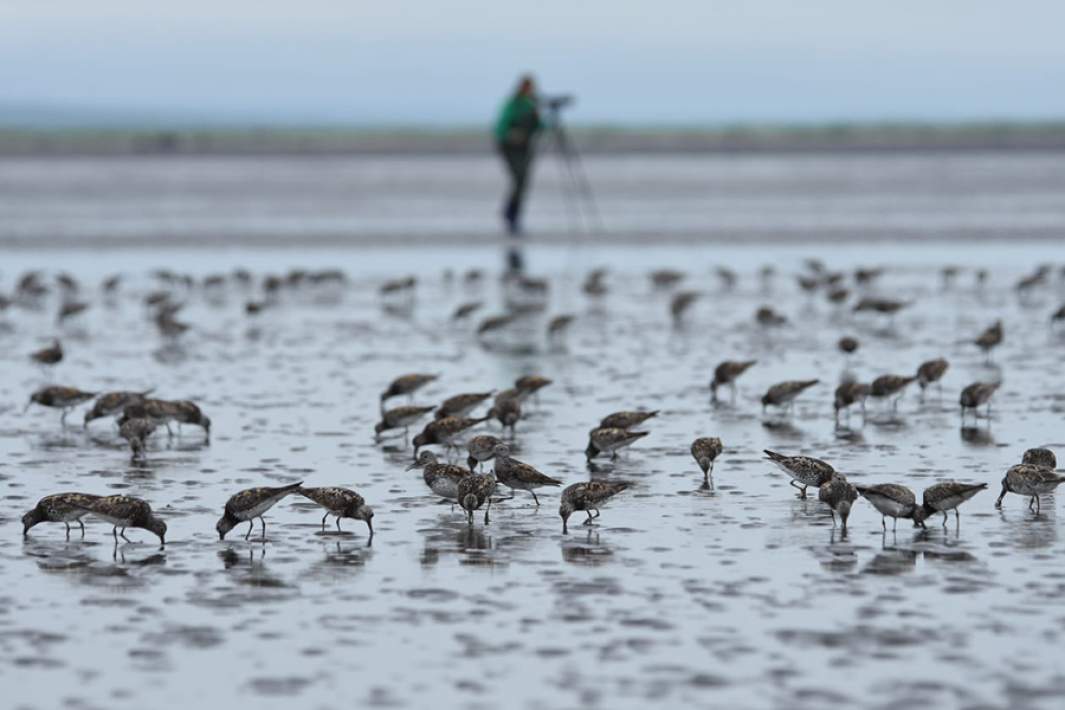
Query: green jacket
x=518 y=121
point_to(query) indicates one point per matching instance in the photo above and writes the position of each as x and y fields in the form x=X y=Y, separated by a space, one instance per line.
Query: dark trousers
x=518 y=159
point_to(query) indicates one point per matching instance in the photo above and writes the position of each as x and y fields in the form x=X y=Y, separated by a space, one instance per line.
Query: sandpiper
x=850 y=393
x=63 y=508
x=481 y=448
x=946 y=496
x=977 y=394
x=1041 y=457
x=59 y=397
x=767 y=317
x=340 y=503
x=507 y=412
x=112 y=403
x=610 y=440
x=891 y=386
x=558 y=326
x=990 y=338
x=681 y=302
x=518 y=475
x=184 y=411
x=444 y=431
x=783 y=394
x=136 y=432
x=848 y=345
x=804 y=471
x=587 y=496
x=884 y=306
x=399 y=418
x=704 y=450
x=406 y=384
x=727 y=372
x=442 y=478
x=892 y=500
x=839 y=495
x=50 y=355
x=626 y=419
x=460 y=405
x=465 y=310
x=69 y=309
x=475 y=490
x=666 y=278
x=249 y=504
x=931 y=371
x=125 y=512
x=530 y=385
x=1029 y=480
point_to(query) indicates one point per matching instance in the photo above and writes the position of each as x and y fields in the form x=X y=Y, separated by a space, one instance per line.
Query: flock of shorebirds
x=452 y=423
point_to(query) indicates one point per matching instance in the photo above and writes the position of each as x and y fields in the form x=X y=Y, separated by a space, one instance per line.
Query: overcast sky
x=451 y=61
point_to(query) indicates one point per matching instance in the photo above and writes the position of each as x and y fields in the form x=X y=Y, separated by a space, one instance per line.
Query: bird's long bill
x=369 y=524
x=27 y=407
x=411 y=467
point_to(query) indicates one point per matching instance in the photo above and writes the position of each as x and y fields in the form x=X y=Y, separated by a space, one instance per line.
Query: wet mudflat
x=739 y=595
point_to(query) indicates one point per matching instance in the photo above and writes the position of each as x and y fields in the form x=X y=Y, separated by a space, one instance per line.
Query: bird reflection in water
x=586 y=552
x=977 y=436
x=469 y=542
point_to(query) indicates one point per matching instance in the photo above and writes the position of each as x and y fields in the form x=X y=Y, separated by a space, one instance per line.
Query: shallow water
x=741 y=595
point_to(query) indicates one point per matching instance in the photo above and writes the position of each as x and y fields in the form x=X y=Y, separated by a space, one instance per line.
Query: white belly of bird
x=120 y=522
x=445 y=488
x=889 y=507
x=256 y=511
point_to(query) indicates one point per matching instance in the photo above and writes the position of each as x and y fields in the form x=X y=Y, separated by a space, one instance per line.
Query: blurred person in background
x=515 y=131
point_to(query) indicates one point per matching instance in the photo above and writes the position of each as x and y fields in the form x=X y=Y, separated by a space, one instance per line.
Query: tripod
x=576 y=188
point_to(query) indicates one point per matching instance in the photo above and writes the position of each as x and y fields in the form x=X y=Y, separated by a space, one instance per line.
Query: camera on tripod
x=554 y=103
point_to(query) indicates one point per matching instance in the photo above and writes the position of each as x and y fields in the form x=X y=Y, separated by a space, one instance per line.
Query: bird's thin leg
x=338 y=524
x=263 y=521
x=323 y=519
x=68 y=528
x=82 y=527
x=883 y=523
x=122 y=535
x=535 y=499
x=114 y=533
x=946 y=517
x=833 y=514
x=589 y=520
x=251 y=524
x=957 y=517
x=1031 y=502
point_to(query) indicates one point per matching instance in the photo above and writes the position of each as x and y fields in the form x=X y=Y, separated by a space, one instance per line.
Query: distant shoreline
x=327 y=141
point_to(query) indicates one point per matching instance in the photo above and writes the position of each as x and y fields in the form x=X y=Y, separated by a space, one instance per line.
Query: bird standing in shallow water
x=839 y=495
x=475 y=490
x=783 y=394
x=976 y=394
x=946 y=496
x=51 y=355
x=249 y=504
x=726 y=373
x=894 y=501
x=610 y=440
x=341 y=503
x=704 y=450
x=125 y=512
x=804 y=471
x=442 y=478
x=1029 y=480
x=931 y=372
x=518 y=475
x=406 y=384
x=58 y=397
x=587 y=496
x=63 y=508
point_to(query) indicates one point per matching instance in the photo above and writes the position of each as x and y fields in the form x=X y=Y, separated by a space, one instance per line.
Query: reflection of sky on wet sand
x=740 y=594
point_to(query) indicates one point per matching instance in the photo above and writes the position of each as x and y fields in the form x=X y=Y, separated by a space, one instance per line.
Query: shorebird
x=931 y=371
x=626 y=419
x=804 y=471
x=399 y=418
x=681 y=302
x=726 y=373
x=557 y=328
x=183 y=411
x=783 y=394
x=890 y=386
x=507 y=411
x=475 y=490
x=850 y=393
x=704 y=450
x=443 y=431
x=946 y=496
x=530 y=385
x=848 y=345
x=1041 y=457
x=587 y=496
x=406 y=384
x=69 y=309
x=136 y=432
x=481 y=448
x=666 y=278
x=768 y=318
x=1029 y=480
x=249 y=504
x=976 y=394
x=610 y=440
x=839 y=495
x=442 y=478
x=51 y=355
x=112 y=403
x=460 y=405
x=989 y=339
x=59 y=397
x=63 y=508
x=340 y=503
x=884 y=306
x=125 y=512
x=892 y=500
x=465 y=310
x=518 y=475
